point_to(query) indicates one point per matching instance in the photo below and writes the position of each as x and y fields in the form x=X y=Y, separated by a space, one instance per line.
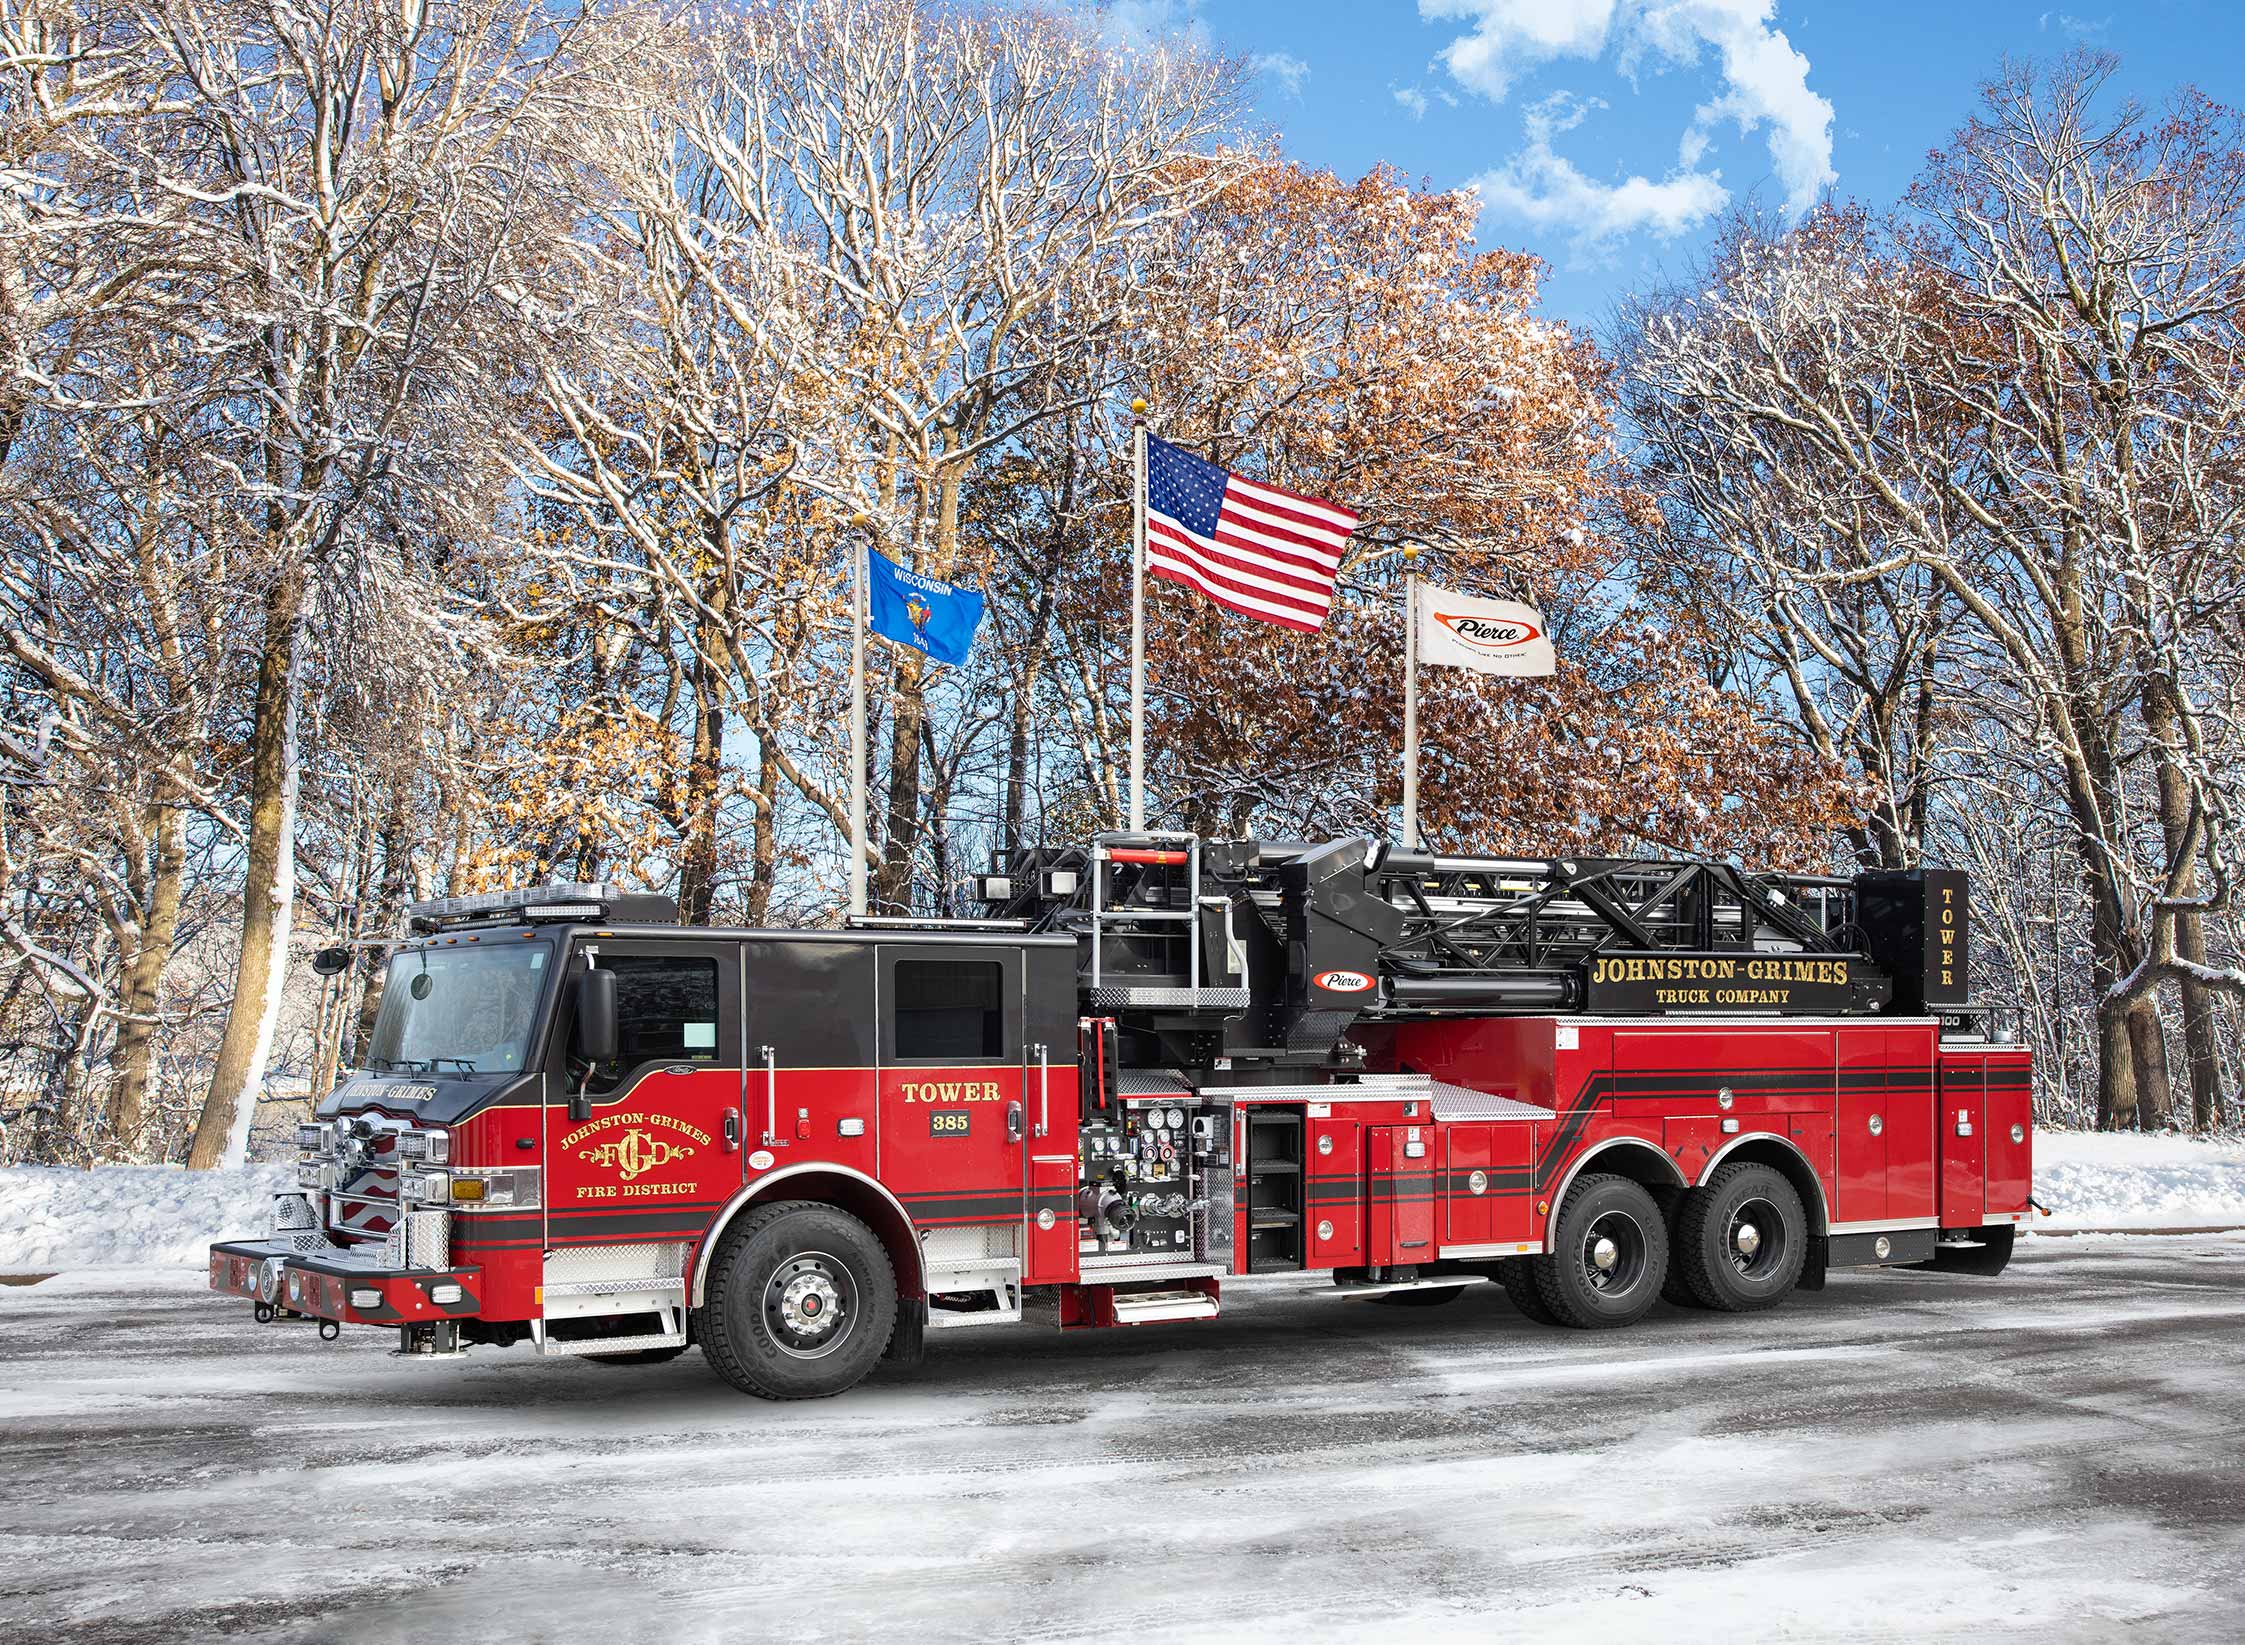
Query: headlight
x=433 y=1186
x=433 y=1146
x=315 y=1174
x=316 y=1139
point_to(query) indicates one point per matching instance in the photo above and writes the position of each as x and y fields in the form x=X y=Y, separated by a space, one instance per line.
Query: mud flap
x=908 y=1343
x=1812 y=1270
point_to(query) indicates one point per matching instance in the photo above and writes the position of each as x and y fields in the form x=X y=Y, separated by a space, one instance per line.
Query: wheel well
x=1630 y=1157
x=863 y=1198
x=1786 y=1160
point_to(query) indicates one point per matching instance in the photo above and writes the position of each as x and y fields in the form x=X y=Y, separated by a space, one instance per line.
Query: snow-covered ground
x=2128 y=1180
x=2048 y=1457
x=126 y=1216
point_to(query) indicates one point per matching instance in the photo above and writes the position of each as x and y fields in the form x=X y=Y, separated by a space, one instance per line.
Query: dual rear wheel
x=1736 y=1245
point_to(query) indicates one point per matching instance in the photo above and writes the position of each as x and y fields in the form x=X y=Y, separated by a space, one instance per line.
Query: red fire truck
x=1157 y=1064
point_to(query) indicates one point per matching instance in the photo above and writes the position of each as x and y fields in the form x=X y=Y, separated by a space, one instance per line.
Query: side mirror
x=593 y=1036
x=331 y=962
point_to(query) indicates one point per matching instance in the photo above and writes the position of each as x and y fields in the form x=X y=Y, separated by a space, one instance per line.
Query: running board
x=1445 y=1282
x=1159 y=1307
x=605 y=1345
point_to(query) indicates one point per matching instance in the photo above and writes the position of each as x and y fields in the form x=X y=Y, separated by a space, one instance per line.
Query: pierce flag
x=1488 y=636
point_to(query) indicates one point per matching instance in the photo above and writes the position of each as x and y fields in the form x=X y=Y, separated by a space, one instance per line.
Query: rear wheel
x=802 y=1299
x=1609 y=1255
x=1985 y=1254
x=1675 y=1288
x=1741 y=1240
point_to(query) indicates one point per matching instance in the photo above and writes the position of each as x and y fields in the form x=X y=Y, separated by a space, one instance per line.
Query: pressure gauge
x=1177 y=1119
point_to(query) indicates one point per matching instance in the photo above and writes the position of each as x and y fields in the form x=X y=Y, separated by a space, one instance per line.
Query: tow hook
x=329 y=1330
x=262 y=1312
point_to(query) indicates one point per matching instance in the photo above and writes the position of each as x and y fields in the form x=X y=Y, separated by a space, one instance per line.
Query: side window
x=666 y=1011
x=949 y=1010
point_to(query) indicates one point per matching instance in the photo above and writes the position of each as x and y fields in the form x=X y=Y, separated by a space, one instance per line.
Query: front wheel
x=802 y=1299
x=1609 y=1256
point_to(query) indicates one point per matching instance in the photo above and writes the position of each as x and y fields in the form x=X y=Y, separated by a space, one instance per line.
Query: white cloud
x=1541 y=187
x=1764 y=79
x=2074 y=28
x=1413 y=100
x=1284 y=67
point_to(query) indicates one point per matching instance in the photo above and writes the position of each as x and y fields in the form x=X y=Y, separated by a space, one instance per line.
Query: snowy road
x=2056 y=1455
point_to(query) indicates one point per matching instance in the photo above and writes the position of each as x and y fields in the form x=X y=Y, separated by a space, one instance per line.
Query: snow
x=2044 y=1457
x=129 y=1216
x=2130 y=1180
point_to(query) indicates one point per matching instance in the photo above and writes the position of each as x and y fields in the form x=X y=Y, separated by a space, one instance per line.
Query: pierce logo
x=1485 y=635
x=1342 y=982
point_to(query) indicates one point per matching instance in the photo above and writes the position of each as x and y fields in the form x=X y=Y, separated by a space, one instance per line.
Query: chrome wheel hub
x=1604 y=1253
x=809 y=1305
x=1748 y=1239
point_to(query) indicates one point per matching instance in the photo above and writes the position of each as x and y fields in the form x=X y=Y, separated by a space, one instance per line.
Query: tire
x=1674 y=1289
x=1609 y=1256
x=802 y=1299
x=638 y=1356
x=1983 y=1260
x=1742 y=1239
x=1434 y=1296
x=1519 y=1282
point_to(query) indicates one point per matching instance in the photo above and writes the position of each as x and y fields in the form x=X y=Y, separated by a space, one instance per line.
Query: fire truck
x=1157 y=1064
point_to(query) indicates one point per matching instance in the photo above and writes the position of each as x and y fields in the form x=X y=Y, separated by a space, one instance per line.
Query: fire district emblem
x=635 y=1153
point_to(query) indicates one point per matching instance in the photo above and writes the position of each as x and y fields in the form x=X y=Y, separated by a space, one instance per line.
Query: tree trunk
x=133 y=1059
x=268 y=888
x=705 y=769
x=2201 y=1044
x=2147 y=1044
x=764 y=842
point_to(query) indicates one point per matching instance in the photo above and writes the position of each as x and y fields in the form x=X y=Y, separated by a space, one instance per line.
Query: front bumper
x=335 y=1284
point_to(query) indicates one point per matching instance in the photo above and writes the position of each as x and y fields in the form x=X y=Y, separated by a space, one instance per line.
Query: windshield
x=458 y=1010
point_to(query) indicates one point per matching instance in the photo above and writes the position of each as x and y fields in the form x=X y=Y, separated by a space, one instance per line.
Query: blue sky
x=1604 y=133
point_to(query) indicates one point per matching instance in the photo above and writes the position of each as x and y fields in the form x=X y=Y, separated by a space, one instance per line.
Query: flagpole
x=1138 y=617
x=858 y=553
x=1410 y=697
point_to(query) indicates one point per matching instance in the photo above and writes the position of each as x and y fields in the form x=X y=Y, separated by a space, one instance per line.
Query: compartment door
x=1335 y=1194
x=1959 y=1129
x=1401 y=1176
x=1466 y=1211
x=1859 y=1128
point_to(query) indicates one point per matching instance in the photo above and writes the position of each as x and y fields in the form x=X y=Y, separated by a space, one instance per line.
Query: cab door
x=654 y=1145
x=954 y=1102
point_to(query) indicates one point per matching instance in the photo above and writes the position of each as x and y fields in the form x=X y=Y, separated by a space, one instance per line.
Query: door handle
x=1044 y=1092
x=771 y=1095
x=1013 y=1122
x=732 y=1133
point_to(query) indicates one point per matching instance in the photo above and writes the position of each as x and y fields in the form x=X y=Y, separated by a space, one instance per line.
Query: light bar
x=572 y=899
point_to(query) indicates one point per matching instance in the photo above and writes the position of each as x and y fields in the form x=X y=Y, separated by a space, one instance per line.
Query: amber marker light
x=467 y=1188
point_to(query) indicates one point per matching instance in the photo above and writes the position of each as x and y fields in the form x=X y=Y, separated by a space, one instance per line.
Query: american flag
x=1251 y=548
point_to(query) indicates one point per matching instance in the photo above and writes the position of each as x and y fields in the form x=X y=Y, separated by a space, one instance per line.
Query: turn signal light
x=467 y=1188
